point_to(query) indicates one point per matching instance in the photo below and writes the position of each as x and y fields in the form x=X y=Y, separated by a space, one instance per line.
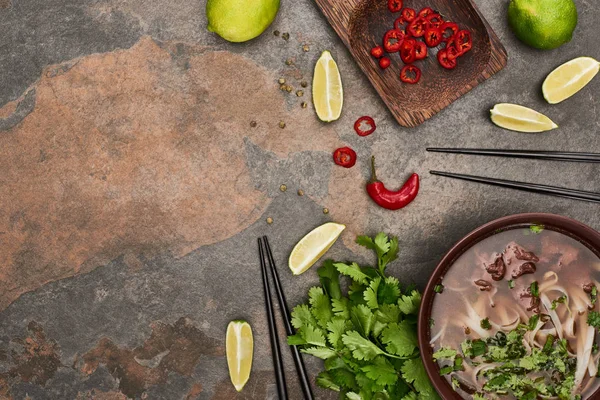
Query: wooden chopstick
x=275 y=349
x=533 y=154
x=529 y=187
x=300 y=368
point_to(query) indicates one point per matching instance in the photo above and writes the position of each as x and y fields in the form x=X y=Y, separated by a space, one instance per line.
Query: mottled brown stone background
x=133 y=185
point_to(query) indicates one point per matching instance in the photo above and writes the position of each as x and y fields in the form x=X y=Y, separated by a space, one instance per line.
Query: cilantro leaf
x=594 y=319
x=325 y=380
x=401 y=339
x=390 y=255
x=353 y=396
x=296 y=340
x=302 y=316
x=320 y=306
x=313 y=335
x=535 y=229
x=340 y=307
x=329 y=277
x=336 y=328
x=322 y=352
x=445 y=353
x=370 y=294
x=410 y=304
x=381 y=372
x=362 y=349
x=388 y=313
x=362 y=318
x=352 y=271
x=413 y=371
x=389 y=291
x=382 y=244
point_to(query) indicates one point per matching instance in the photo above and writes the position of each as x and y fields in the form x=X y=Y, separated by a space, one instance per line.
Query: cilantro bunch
x=367 y=336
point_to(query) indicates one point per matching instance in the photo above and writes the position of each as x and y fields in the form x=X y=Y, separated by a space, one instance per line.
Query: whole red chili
x=434 y=20
x=389 y=199
x=395 y=5
x=410 y=74
x=417 y=27
x=384 y=62
x=449 y=29
x=344 y=157
x=408 y=14
x=425 y=12
x=420 y=50
x=377 y=51
x=408 y=53
x=392 y=40
x=463 y=41
x=444 y=60
x=362 y=121
x=433 y=37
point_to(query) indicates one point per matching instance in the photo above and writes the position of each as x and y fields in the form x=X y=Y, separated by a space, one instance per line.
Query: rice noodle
x=550 y=279
x=553 y=316
x=439 y=335
x=593 y=365
x=584 y=351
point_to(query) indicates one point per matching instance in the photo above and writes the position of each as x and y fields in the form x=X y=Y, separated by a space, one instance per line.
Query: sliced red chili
x=408 y=53
x=359 y=126
x=399 y=24
x=384 y=62
x=417 y=27
x=392 y=40
x=420 y=50
x=452 y=51
x=434 y=20
x=425 y=12
x=344 y=157
x=444 y=61
x=463 y=41
x=408 y=14
x=433 y=37
x=449 y=29
x=410 y=74
x=377 y=51
x=395 y=5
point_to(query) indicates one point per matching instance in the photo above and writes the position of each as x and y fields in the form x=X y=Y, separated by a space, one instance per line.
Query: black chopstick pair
x=266 y=257
x=529 y=187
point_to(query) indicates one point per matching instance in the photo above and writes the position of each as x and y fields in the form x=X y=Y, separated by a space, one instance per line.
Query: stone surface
x=133 y=185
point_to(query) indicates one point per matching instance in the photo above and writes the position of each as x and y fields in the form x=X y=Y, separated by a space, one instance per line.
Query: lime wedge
x=239 y=346
x=328 y=94
x=312 y=246
x=569 y=79
x=520 y=119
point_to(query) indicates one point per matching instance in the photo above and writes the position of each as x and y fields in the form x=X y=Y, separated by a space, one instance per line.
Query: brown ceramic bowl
x=583 y=233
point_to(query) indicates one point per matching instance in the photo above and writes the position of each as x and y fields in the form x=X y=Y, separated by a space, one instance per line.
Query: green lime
x=240 y=20
x=543 y=24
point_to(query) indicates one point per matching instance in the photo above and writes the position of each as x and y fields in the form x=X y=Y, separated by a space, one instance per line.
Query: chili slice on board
x=452 y=51
x=444 y=60
x=463 y=41
x=420 y=50
x=399 y=24
x=392 y=40
x=433 y=37
x=394 y=5
x=449 y=29
x=410 y=74
x=344 y=157
x=384 y=62
x=417 y=27
x=434 y=20
x=408 y=14
x=362 y=121
x=408 y=53
x=377 y=51
x=425 y=12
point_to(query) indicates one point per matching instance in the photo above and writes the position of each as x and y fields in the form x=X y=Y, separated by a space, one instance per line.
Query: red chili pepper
x=399 y=24
x=434 y=20
x=433 y=37
x=389 y=199
x=408 y=14
x=344 y=157
x=358 y=126
x=410 y=74
x=444 y=60
x=392 y=40
x=420 y=50
x=425 y=12
x=417 y=27
x=463 y=41
x=449 y=29
x=408 y=53
x=452 y=51
x=384 y=62
x=395 y=5
x=377 y=51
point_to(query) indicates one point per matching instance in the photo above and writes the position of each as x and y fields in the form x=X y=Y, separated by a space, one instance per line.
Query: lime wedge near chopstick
x=569 y=79
x=239 y=346
x=328 y=94
x=312 y=246
x=520 y=119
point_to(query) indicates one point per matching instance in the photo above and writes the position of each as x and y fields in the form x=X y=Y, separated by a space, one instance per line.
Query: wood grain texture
x=361 y=26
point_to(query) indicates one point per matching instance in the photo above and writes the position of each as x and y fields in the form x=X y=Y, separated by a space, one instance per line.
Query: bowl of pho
x=512 y=312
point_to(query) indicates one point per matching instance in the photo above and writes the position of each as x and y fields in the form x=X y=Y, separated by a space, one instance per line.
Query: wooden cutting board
x=361 y=25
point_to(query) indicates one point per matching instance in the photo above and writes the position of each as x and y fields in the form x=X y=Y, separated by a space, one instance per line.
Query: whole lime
x=240 y=20
x=543 y=24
